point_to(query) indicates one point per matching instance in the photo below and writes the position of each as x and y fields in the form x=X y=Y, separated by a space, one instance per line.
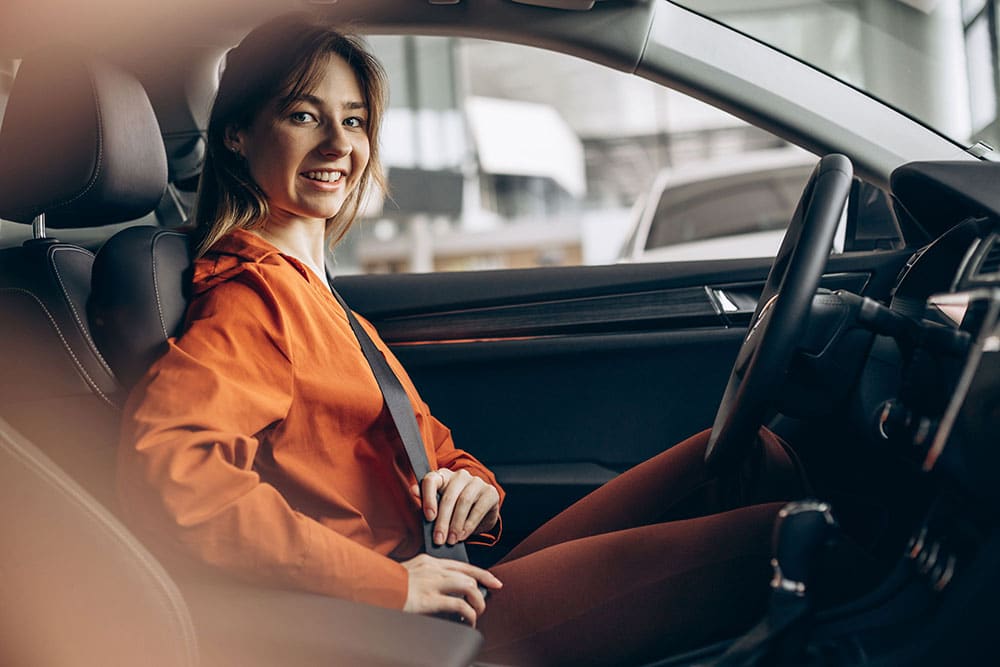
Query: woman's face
x=309 y=158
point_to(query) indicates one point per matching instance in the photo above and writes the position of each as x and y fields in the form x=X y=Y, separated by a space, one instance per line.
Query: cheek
x=362 y=153
x=274 y=172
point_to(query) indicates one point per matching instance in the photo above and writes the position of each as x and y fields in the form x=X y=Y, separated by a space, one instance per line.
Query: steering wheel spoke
x=782 y=315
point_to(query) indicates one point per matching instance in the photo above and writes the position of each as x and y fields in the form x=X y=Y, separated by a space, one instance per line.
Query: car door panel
x=560 y=378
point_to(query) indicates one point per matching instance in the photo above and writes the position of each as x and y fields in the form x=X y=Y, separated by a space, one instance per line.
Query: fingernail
x=438 y=538
x=452 y=538
x=431 y=514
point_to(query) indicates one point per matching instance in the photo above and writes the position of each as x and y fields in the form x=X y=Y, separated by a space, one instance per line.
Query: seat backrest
x=141 y=279
x=78 y=589
x=80 y=146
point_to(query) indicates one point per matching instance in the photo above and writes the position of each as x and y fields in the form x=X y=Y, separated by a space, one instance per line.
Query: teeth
x=325 y=176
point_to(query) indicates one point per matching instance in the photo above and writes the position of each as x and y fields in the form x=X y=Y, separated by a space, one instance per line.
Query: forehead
x=334 y=81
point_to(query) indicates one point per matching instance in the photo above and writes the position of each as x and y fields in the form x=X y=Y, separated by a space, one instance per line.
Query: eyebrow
x=312 y=99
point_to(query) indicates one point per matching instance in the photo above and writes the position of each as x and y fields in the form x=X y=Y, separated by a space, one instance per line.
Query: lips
x=324 y=176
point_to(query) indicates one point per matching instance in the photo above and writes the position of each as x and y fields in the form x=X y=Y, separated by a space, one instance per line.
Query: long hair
x=279 y=61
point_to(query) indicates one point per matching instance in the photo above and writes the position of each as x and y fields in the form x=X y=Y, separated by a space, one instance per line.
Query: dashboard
x=921 y=428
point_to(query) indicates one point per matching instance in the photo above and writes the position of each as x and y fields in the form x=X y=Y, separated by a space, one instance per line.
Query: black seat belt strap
x=401 y=411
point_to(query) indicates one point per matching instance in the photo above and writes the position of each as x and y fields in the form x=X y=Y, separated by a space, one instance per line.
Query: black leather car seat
x=139 y=295
x=79 y=147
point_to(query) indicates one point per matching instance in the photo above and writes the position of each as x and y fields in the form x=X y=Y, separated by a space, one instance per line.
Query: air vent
x=990 y=264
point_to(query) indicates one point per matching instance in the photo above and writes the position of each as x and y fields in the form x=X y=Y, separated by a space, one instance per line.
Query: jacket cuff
x=490 y=537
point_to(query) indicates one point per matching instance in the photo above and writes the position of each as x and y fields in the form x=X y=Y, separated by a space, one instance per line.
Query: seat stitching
x=69 y=349
x=156 y=286
x=76 y=315
x=100 y=149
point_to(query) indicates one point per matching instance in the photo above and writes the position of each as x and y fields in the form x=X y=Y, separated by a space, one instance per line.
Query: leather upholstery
x=78 y=589
x=43 y=295
x=56 y=387
x=79 y=143
x=139 y=294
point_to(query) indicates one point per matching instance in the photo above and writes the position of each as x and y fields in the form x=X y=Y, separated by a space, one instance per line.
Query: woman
x=260 y=443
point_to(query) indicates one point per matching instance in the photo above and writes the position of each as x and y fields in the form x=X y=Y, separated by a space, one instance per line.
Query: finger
x=477 y=515
x=446 y=506
x=466 y=587
x=484 y=577
x=463 y=508
x=449 y=604
x=430 y=486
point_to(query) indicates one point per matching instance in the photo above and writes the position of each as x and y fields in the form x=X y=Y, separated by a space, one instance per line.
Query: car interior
x=876 y=363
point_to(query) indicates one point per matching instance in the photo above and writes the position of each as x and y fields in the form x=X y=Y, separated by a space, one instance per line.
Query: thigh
x=632 y=594
x=673 y=483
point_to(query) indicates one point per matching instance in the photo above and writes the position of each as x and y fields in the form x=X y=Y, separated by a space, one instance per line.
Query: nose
x=337 y=143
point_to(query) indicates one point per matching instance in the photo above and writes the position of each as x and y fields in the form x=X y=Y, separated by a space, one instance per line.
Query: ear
x=234 y=139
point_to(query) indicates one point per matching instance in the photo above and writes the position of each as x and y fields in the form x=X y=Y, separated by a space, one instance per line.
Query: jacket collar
x=228 y=256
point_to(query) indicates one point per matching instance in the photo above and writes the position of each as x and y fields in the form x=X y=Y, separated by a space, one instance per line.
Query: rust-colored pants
x=609 y=580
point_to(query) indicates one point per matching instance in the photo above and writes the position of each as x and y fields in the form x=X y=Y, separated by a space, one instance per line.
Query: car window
x=504 y=156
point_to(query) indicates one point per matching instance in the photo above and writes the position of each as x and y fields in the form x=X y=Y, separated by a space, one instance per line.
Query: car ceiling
x=130 y=27
x=175 y=47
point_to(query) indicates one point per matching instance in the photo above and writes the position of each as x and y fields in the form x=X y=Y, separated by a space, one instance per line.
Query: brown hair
x=279 y=60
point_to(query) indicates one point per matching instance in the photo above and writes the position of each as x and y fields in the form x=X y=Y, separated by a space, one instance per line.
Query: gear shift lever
x=801 y=531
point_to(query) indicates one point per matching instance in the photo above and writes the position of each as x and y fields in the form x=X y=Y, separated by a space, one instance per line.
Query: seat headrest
x=79 y=143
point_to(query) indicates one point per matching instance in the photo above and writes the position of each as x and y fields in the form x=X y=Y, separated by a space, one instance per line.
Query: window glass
x=936 y=60
x=506 y=156
x=765 y=205
x=979 y=59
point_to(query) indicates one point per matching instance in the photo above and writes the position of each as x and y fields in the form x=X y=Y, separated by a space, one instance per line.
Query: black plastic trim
x=684 y=307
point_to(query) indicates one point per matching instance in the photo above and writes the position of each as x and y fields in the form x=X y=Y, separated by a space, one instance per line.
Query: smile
x=324 y=176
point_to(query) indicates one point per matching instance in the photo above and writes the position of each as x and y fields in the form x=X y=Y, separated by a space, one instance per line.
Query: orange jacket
x=260 y=442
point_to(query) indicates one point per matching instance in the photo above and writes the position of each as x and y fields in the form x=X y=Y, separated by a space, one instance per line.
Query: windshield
x=935 y=60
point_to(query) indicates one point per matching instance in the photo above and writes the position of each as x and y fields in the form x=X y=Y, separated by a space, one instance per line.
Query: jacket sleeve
x=190 y=432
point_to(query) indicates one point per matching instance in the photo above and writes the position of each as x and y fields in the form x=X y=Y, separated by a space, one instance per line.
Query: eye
x=302 y=117
x=355 y=121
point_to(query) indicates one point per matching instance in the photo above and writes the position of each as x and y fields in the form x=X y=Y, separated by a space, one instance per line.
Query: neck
x=301 y=239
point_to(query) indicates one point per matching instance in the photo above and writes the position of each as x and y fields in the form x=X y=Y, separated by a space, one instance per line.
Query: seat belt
x=401 y=411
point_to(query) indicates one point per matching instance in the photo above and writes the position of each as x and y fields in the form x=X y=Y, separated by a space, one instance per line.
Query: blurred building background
x=506 y=156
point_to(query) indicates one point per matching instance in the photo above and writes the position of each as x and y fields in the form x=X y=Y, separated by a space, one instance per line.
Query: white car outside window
x=728 y=208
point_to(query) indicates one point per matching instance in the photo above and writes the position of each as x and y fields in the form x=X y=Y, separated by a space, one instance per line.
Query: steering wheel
x=782 y=312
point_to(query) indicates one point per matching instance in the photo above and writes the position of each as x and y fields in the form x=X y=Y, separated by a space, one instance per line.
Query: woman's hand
x=467 y=504
x=442 y=585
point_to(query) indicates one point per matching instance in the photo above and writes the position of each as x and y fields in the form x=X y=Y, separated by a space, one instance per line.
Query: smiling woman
x=261 y=442
x=308 y=153
x=294 y=111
